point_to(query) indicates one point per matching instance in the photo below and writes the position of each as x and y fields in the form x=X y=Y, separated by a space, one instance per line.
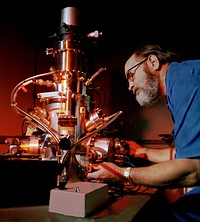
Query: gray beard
x=149 y=95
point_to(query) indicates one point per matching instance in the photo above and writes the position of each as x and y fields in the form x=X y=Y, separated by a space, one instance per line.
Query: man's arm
x=154 y=155
x=170 y=174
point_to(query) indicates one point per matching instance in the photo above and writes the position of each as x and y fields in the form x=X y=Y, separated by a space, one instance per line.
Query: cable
x=14 y=93
x=110 y=120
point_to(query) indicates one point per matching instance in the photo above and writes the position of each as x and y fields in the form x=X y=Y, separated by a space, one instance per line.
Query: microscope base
x=79 y=199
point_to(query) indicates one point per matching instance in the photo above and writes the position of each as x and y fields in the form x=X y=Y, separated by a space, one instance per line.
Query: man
x=153 y=72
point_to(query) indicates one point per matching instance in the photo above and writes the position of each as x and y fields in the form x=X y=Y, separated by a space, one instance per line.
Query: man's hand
x=106 y=171
x=137 y=150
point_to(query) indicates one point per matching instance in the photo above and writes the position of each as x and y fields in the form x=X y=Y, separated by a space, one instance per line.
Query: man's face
x=143 y=84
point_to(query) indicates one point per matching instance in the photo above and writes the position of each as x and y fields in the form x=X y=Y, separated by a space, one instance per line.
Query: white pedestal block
x=79 y=199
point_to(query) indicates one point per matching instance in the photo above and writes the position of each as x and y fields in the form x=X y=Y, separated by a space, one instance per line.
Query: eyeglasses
x=131 y=74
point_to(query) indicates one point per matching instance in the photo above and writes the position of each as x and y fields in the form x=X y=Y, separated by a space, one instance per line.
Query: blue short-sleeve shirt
x=183 y=97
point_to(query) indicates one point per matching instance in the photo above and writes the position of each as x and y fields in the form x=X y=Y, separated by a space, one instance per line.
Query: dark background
x=26 y=27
